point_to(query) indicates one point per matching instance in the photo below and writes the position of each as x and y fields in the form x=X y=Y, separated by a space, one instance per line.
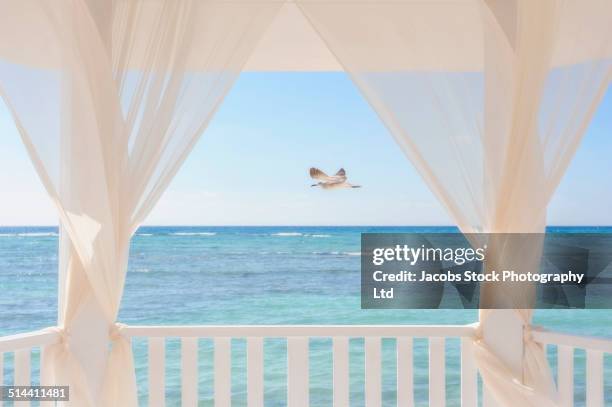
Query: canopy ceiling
x=291 y=43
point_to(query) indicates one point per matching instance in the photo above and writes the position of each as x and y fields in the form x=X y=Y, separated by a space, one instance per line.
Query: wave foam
x=193 y=234
x=287 y=234
x=336 y=253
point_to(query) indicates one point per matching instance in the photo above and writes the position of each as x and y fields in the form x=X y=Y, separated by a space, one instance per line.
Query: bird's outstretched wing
x=341 y=173
x=316 y=173
x=338 y=185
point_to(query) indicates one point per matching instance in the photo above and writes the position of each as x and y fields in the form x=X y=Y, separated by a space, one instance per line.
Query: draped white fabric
x=122 y=93
x=489 y=100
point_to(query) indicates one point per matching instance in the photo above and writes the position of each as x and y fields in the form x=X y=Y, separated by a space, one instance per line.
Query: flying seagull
x=336 y=181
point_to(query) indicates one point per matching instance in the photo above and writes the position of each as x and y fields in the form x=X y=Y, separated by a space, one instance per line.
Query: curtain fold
x=489 y=100
x=125 y=90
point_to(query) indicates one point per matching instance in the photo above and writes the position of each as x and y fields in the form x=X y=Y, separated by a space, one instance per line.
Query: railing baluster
x=189 y=372
x=44 y=374
x=437 y=382
x=255 y=372
x=373 y=378
x=157 y=381
x=469 y=374
x=405 y=384
x=565 y=375
x=594 y=379
x=297 y=372
x=22 y=367
x=1 y=372
x=223 y=372
x=341 y=371
x=23 y=370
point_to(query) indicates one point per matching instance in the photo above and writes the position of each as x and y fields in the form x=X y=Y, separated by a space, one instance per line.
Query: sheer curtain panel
x=489 y=101
x=109 y=98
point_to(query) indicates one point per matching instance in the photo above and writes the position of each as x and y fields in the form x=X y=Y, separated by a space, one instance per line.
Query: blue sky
x=251 y=166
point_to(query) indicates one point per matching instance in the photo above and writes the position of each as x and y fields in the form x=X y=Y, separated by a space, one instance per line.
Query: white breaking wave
x=288 y=234
x=335 y=253
x=37 y=234
x=320 y=235
x=193 y=234
x=144 y=234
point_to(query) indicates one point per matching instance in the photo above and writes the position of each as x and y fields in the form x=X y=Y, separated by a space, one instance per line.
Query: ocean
x=254 y=275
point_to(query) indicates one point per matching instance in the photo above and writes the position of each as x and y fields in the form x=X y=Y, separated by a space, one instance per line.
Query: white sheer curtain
x=109 y=98
x=489 y=100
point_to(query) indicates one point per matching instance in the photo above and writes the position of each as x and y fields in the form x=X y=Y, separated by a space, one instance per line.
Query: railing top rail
x=47 y=337
x=272 y=331
x=576 y=341
x=27 y=340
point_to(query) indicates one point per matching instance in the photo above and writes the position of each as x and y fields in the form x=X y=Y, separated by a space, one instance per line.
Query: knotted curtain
x=109 y=99
x=489 y=101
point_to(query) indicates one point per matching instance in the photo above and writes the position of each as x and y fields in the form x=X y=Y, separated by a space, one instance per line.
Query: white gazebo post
x=503 y=329
x=503 y=333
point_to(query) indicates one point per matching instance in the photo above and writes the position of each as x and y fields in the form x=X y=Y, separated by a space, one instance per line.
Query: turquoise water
x=252 y=275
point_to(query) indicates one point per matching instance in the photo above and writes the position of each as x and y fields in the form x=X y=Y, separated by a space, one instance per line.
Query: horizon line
x=296 y=225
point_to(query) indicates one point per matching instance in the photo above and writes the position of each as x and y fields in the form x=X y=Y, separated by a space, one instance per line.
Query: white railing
x=297 y=338
x=595 y=349
x=22 y=346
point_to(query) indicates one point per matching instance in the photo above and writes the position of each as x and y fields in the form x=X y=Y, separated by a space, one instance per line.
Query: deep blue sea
x=253 y=275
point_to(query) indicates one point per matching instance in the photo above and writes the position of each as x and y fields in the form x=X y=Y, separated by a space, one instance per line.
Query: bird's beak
x=314 y=185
